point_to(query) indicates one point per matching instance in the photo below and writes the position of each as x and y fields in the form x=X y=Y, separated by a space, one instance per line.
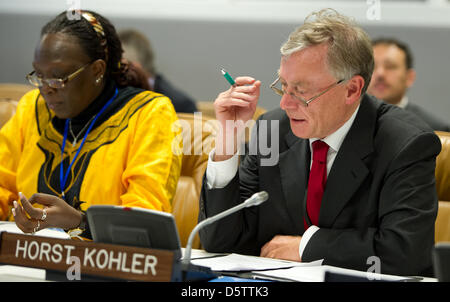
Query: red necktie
x=317 y=180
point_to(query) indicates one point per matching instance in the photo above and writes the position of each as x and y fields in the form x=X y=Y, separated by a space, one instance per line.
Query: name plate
x=97 y=259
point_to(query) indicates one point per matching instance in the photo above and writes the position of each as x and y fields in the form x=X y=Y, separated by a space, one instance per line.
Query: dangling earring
x=97 y=81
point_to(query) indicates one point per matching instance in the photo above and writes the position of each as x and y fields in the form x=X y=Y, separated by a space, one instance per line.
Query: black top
x=434 y=122
x=181 y=101
x=78 y=122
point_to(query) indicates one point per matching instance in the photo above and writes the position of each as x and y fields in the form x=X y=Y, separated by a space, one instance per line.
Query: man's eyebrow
x=302 y=84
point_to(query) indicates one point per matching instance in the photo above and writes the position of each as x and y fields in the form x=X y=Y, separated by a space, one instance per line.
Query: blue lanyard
x=62 y=177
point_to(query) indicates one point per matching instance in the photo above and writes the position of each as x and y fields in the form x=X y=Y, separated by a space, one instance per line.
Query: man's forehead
x=388 y=51
x=303 y=68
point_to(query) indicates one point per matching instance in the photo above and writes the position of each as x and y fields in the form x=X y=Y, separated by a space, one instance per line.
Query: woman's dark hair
x=123 y=72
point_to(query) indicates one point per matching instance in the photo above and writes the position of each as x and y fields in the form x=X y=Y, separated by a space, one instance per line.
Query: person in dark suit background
x=394 y=74
x=137 y=48
x=354 y=176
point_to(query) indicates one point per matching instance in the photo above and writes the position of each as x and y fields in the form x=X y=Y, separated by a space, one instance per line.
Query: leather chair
x=442 y=227
x=7 y=110
x=14 y=91
x=443 y=167
x=207 y=108
x=10 y=95
x=198 y=140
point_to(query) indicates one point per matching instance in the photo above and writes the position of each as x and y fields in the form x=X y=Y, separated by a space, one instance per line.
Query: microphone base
x=191 y=273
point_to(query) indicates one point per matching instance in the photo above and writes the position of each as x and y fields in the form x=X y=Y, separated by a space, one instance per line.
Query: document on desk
x=317 y=274
x=13 y=273
x=197 y=254
x=237 y=262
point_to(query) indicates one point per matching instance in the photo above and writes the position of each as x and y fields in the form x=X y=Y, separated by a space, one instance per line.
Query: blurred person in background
x=137 y=49
x=393 y=75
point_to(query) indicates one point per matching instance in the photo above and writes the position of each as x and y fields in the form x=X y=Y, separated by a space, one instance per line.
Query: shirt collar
x=403 y=102
x=151 y=82
x=335 y=139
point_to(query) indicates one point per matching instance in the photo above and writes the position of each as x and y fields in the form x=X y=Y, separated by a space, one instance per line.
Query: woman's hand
x=56 y=213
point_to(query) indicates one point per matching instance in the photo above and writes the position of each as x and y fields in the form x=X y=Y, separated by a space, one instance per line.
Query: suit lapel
x=294 y=170
x=346 y=176
x=349 y=169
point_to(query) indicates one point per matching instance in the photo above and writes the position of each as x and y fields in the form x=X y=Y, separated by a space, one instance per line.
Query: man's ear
x=410 y=77
x=354 y=87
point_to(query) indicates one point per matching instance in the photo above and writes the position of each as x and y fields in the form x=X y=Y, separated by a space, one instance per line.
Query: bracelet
x=76 y=232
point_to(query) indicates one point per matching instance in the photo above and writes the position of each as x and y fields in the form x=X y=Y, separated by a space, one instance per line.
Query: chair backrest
x=198 y=140
x=443 y=167
x=7 y=110
x=13 y=91
x=207 y=108
x=442 y=226
x=10 y=94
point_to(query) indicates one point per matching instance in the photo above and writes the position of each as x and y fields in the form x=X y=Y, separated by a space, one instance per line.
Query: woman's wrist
x=83 y=221
x=78 y=222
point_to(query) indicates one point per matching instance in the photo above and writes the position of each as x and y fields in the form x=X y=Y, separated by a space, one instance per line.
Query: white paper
x=237 y=262
x=197 y=254
x=19 y=273
x=11 y=227
x=317 y=274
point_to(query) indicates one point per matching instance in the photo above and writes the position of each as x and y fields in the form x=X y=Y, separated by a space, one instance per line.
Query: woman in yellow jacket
x=85 y=136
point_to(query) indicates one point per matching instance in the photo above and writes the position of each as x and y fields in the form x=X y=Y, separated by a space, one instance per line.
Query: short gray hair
x=350 y=50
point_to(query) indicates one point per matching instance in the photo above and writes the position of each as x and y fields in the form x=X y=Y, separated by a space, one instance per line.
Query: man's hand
x=236 y=104
x=282 y=247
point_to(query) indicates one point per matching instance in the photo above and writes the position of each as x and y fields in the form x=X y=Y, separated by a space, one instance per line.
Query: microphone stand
x=254 y=200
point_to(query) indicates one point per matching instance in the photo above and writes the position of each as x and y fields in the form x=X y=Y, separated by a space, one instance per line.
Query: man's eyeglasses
x=53 y=83
x=302 y=101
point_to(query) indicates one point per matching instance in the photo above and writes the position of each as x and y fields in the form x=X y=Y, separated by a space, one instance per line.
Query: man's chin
x=301 y=132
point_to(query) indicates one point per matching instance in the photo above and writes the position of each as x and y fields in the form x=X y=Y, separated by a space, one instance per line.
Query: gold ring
x=36 y=228
x=44 y=214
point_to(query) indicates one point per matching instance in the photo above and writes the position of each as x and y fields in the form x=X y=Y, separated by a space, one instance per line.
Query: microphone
x=255 y=200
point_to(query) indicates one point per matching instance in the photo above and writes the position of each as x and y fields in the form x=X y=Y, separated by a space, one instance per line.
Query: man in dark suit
x=354 y=177
x=393 y=75
x=137 y=48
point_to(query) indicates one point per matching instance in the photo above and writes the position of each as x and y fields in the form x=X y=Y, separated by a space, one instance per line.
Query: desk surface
x=315 y=273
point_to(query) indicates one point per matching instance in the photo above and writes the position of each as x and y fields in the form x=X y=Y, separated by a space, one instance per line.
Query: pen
x=228 y=77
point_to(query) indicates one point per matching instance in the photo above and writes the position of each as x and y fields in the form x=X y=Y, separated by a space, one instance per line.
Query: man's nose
x=378 y=71
x=288 y=102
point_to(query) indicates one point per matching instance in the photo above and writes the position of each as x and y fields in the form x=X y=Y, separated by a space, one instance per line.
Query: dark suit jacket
x=380 y=198
x=435 y=122
x=181 y=101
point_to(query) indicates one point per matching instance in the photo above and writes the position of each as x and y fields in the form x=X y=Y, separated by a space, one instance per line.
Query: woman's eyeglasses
x=53 y=83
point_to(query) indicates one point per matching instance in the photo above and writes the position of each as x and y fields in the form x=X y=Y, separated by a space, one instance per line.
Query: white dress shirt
x=403 y=102
x=219 y=174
